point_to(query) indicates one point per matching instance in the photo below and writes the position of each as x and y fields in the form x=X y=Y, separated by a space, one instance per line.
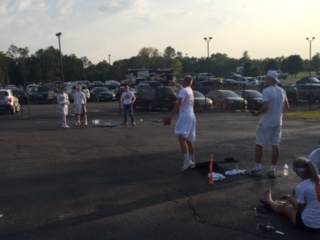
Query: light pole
x=58 y=35
x=310 y=40
x=109 y=59
x=205 y=88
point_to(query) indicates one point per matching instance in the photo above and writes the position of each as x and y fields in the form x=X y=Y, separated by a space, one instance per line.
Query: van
x=157 y=97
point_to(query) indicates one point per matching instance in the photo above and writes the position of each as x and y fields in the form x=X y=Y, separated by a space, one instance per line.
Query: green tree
x=169 y=52
x=272 y=64
x=294 y=64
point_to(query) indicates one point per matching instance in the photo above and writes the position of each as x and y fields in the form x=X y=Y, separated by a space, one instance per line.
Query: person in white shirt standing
x=185 y=129
x=63 y=101
x=269 y=128
x=128 y=98
x=80 y=108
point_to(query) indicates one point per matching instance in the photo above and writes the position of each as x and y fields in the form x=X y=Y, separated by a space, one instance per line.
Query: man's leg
x=259 y=154
x=187 y=163
x=125 y=107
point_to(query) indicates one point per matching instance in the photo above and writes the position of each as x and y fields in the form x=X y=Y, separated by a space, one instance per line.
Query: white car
x=242 y=81
x=318 y=75
x=260 y=79
x=8 y=102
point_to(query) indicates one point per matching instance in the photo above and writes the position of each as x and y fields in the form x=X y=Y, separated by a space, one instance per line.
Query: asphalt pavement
x=124 y=182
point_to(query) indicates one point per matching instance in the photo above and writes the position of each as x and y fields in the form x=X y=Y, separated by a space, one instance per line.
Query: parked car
x=305 y=80
x=201 y=102
x=232 y=76
x=8 y=102
x=155 y=97
x=242 y=81
x=102 y=94
x=318 y=75
x=309 y=92
x=97 y=84
x=227 y=100
x=83 y=83
x=253 y=98
x=84 y=89
x=260 y=79
x=21 y=94
x=252 y=81
x=203 y=76
x=112 y=84
x=230 y=82
x=42 y=94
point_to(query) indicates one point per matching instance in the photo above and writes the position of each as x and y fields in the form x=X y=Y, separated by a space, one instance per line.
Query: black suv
x=309 y=92
x=154 y=97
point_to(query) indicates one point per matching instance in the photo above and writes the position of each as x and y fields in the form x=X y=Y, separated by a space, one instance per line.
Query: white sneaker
x=86 y=123
x=65 y=126
x=77 y=124
x=193 y=164
x=186 y=164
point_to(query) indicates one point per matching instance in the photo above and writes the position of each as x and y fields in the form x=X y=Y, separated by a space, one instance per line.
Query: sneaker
x=186 y=165
x=77 y=124
x=124 y=124
x=254 y=172
x=271 y=174
x=193 y=165
x=86 y=123
x=133 y=124
x=65 y=126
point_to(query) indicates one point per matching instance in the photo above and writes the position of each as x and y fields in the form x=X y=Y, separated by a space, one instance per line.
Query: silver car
x=8 y=102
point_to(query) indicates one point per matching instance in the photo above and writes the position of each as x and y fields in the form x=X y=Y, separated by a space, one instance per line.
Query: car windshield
x=314 y=80
x=229 y=94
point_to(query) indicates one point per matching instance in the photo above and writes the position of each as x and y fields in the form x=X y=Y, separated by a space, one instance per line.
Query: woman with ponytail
x=303 y=209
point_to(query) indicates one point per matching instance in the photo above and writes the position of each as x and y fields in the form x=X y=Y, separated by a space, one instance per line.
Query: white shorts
x=80 y=109
x=268 y=135
x=186 y=126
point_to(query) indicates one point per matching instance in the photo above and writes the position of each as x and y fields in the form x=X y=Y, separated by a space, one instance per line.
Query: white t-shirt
x=314 y=157
x=188 y=100
x=306 y=194
x=276 y=97
x=62 y=98
x=79 y=98
x=127 y=97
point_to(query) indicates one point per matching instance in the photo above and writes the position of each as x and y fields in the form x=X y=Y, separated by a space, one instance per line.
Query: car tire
x=18 y=107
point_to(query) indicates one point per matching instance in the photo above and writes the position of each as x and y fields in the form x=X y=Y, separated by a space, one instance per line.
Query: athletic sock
x=257 y=166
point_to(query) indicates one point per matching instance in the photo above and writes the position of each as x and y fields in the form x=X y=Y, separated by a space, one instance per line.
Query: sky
x=121 y=28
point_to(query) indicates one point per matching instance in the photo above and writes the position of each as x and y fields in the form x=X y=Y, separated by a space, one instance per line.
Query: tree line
x=18 y=66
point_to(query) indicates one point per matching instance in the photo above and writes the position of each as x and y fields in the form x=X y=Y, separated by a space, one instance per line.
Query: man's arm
x=176 y=108
x=263 y=109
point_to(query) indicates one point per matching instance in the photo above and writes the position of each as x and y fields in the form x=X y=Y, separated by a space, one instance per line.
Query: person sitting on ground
x=303 y=209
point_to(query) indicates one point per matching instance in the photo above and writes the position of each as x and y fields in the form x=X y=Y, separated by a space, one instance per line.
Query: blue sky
x=97 y=28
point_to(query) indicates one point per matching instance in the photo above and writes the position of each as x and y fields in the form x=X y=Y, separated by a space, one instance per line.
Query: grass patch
x=305 y=115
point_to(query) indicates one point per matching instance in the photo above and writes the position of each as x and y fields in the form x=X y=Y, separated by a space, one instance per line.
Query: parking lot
x=125 y=182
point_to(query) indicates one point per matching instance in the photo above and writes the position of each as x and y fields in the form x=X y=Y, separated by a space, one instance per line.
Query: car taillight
x=10 y=99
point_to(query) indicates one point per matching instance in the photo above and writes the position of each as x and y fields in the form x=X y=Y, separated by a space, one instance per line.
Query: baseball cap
x=274 y=75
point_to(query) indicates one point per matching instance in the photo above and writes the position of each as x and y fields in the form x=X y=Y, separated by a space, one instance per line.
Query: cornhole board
x=104 y=123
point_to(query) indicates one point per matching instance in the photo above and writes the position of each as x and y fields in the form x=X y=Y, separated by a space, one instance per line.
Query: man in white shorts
x=185 y=129
x=80 y=101
x=269 y=128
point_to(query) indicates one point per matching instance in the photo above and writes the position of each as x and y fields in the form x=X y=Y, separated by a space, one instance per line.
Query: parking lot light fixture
x=208 y=60
x=310 y=40
x=59 y=35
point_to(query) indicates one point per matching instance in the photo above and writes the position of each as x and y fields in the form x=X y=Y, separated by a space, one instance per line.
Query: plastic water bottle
x=285 y=170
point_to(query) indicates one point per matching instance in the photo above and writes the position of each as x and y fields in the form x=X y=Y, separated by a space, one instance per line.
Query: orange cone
x=211 y=182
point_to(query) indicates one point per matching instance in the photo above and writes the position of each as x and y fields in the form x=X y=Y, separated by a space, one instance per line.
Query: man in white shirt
x=269 y=128
x=63 y=101
x=80 y=101
x=128 y=98
x=185 y=129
